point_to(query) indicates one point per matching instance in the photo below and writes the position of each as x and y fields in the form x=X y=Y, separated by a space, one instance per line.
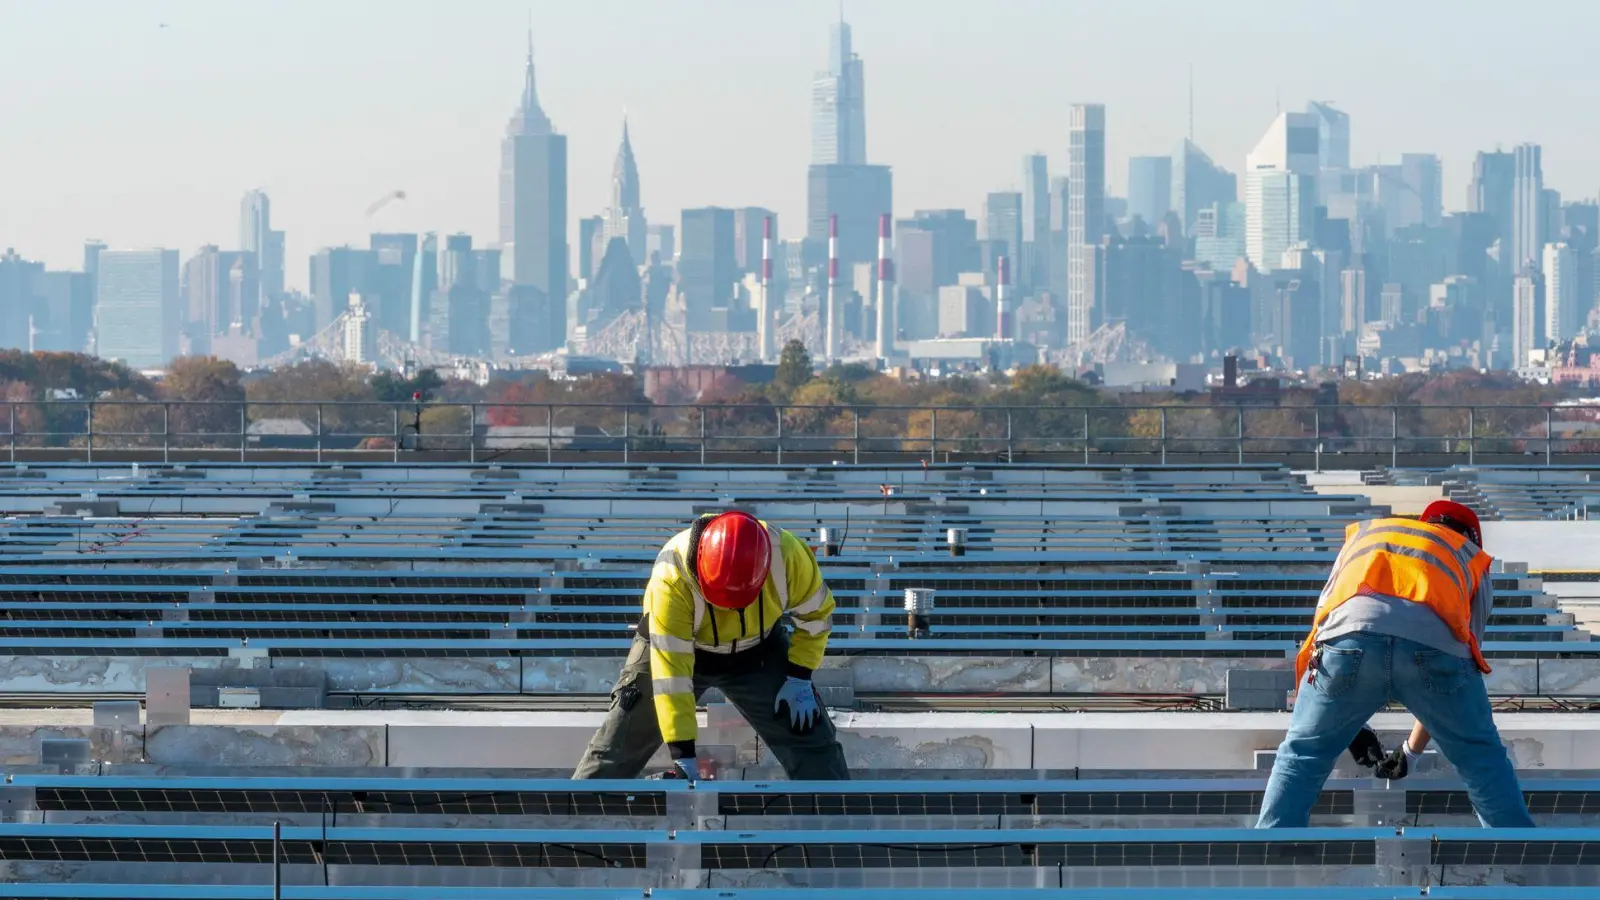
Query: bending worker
x=711 y=619
x=1401 y=618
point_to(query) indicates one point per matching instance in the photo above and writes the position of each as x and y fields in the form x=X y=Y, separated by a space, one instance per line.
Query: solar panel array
x=383 y=563
x=1541 y=492
x=460 y=561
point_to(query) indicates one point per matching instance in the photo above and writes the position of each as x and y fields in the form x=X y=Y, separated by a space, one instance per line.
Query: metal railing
x=1341 y=436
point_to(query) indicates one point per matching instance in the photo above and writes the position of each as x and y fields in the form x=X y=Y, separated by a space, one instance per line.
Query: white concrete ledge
x=1177 y=741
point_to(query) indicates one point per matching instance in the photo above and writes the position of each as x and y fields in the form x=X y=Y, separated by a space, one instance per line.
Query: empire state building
x=533 y=221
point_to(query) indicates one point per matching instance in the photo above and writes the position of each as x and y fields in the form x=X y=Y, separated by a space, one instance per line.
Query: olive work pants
x=750 y=680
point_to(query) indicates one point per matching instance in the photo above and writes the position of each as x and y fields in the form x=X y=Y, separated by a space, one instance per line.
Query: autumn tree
x=447 y=427
x=509 y=404
x=86 y=376
x=597 y=400
x=21 y=420
x=123 y=419
x=206 y=401
x=794 y=368
x=347 y=401
x=1053 y=408
x=818 y=411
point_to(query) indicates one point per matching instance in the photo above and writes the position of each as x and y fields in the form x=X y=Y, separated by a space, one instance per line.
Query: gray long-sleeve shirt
x=1397 y=617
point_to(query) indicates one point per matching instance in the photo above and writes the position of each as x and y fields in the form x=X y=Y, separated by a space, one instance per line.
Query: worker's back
x=1379 y=603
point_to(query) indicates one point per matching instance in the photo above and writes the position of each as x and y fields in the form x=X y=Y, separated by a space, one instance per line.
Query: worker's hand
x=801 y=698
x=1394 y=766
x=1366 y=749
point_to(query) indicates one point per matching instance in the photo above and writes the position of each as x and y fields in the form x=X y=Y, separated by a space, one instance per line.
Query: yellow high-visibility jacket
x=681 y=622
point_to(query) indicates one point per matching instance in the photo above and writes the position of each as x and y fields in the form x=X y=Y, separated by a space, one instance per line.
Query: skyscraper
x=936 y=246
x=17 y=298
x=838 y=105
x=219 y=297
x=840 y=183
x=1335 y=182
x=256 y=236
x=1527 y=208
x=1034 y=268
x=663 y=239
x=1280 y=189
x=858 y=195
x=707 y=271
x=749 y=223
x=1423 y=174
x=1086 y=213
x=591 y=245
x=137 y=308
x=394 y=265
x=1197 y=183
x=336 y=273
x=533 y=219
x=1333 y=136
x=625 y=218
x=1565 y=312
x=1150 y=188
x=459 y=312
x=1527 y=317
x=1491 y=190
x=424 y=276
x=1003 y=221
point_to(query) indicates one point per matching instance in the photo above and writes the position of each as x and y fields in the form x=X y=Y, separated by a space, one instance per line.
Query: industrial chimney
x=765 y=324
x=885 y=344
x=1002 y=291
x=832 y=331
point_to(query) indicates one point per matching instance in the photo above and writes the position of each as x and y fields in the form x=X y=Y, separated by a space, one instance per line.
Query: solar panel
x=498 y=855
x=152 y=850
x=1516 y=853
x=1111 y=801
x=1008 y=849
x=178 y=799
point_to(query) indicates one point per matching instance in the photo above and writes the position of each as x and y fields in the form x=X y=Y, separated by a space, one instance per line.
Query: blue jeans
x=1354 y=677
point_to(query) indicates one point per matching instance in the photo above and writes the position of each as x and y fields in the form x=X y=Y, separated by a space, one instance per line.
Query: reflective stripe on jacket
x=681 y=622
x=1410 y=560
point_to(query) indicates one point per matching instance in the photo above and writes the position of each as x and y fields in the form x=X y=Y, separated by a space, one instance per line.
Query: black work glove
x=1366 y=749
x=1394 y=766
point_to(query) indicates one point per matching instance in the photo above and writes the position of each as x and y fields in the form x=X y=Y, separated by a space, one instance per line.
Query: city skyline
x=49 y=218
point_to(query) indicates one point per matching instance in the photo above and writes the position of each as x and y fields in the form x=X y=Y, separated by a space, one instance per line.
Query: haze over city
x=117 y=128
x=919 y=188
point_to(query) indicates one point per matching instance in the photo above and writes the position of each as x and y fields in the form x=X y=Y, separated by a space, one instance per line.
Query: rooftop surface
x=422 y=651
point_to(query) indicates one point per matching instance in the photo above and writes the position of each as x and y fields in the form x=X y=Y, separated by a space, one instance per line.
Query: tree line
x=204 y=401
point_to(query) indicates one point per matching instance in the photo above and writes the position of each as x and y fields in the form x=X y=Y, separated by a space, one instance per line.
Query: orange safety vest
x=1412 y=560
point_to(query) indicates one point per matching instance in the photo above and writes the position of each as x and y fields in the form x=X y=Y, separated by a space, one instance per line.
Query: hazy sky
x=116 y=128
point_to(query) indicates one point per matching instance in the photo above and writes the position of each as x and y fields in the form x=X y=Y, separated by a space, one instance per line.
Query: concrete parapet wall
x=919 y=741
x=595 y=676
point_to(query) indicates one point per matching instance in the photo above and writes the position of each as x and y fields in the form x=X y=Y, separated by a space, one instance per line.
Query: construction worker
x=711 y=619
x=1401 y=619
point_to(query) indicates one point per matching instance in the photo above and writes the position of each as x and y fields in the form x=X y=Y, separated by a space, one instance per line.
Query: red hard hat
x=1440 y=510
x=732 y=559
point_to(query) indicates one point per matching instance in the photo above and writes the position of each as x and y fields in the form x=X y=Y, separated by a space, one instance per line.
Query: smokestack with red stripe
x=831 y=323
x=1002 y=301
x=885 y=343
x=764 y=324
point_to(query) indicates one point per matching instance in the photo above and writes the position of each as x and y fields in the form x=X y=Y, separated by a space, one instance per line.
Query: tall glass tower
x=533 y=219
x=838 y=106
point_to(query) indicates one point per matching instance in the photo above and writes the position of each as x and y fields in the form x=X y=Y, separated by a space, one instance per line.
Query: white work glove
x=801 y=698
